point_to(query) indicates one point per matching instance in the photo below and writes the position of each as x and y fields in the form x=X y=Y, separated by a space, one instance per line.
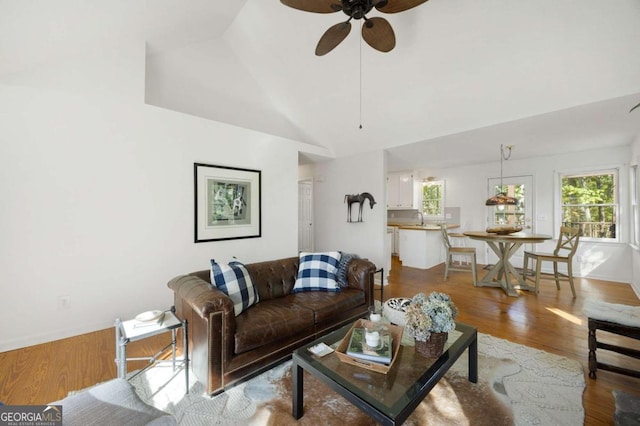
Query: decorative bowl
x=504 y=230
x=149 y=316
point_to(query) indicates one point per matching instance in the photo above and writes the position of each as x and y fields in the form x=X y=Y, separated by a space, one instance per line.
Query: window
x=433 y=198
x=590 y=202
x=509 y=214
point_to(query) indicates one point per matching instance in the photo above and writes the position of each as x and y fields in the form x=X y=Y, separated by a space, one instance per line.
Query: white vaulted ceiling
x=547 y=76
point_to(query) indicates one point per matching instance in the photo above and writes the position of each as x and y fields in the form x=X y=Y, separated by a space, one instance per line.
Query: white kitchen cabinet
x=401 y=193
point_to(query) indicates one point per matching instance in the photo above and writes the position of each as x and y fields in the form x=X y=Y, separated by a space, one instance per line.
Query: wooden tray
x=396 y=338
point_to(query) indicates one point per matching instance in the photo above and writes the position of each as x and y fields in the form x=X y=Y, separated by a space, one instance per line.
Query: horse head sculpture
x=369 y=197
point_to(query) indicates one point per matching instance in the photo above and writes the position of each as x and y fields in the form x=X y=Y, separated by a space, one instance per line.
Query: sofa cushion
x=343 y=268
x=270 y=321
x=234 y=281
x=317 y=272
x=274 y=279
x=328 y=306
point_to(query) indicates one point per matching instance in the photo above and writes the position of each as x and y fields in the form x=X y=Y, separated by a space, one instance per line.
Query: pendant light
x=502 y=199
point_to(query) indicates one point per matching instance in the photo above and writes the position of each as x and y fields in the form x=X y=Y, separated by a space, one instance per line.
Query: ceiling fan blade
x=395 y=6
x=377 y=32
x=317 y=6
x=333 y=37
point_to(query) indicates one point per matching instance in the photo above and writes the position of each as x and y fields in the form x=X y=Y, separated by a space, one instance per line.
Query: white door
x=520 y=187
x=305 y=216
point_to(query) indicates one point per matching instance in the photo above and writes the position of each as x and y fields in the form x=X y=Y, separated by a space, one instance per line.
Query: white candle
x=372 y=338
x=375 y=317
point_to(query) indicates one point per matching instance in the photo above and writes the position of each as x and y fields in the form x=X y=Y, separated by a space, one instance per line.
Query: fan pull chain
x=361 y=23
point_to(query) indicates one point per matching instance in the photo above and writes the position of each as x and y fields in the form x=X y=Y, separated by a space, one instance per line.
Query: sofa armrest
x=360 y=276
x=212 y=324
x=202 y=297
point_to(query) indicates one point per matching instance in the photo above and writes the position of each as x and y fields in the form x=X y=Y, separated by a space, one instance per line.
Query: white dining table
x=505 y=246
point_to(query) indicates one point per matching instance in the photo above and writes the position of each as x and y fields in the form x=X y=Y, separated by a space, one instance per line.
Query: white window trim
x=602 y=169
x=634 y=202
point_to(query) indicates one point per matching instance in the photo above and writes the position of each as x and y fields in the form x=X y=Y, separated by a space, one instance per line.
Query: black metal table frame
x=439 y=368
x=381 y=271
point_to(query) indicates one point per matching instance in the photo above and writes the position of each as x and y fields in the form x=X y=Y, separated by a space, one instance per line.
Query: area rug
x=517 y=385
x=627 y=409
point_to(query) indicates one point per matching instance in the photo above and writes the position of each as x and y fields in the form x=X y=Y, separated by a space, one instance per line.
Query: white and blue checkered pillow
x=234 y=281
x=317 y=272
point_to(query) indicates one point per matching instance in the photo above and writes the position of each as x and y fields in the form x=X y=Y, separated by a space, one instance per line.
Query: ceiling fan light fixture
x=315 y=6
x=332 y=38
x=377 y=32
x=396 y=6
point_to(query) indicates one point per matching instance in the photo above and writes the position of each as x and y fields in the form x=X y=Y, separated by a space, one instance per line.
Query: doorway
x=520 y=187
x=305 y=215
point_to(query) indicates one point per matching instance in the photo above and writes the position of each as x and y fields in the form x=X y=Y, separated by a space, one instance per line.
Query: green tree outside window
x=433 y=198
x=589 y=203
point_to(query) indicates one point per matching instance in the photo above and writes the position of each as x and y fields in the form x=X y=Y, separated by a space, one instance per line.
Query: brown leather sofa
x=226 y=349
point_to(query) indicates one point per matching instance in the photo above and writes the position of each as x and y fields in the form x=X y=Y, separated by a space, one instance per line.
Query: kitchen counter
x=421 y=250
x=426 y=227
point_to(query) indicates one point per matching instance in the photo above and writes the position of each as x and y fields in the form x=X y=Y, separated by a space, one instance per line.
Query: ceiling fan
x=377 y=32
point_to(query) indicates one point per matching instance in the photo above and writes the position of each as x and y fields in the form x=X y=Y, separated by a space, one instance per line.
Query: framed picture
x=227 y=203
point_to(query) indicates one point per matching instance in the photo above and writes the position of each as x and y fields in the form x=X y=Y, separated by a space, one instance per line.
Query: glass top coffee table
x=388 y=398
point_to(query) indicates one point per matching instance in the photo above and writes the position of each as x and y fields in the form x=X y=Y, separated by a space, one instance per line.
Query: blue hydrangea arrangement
x=430 y=314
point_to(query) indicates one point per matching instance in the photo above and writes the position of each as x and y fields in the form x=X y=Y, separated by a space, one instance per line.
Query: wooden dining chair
x=565 y=249
x=458 y=239
x=467 y=252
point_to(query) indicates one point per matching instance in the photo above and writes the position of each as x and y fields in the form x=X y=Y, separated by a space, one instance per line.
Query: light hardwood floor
x=551 y=321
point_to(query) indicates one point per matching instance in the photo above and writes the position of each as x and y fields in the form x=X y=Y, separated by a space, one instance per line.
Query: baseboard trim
x=37 y=339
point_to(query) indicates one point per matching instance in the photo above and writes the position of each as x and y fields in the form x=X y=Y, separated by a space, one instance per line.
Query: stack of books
x=358 y=348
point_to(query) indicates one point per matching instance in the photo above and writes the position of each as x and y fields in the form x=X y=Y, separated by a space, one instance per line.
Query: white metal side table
x=133 y=330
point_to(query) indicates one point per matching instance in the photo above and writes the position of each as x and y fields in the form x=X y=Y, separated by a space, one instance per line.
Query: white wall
x=332 y=180
x=97 y=196
x=217 y=74
x=466 y=187
x=635 y=251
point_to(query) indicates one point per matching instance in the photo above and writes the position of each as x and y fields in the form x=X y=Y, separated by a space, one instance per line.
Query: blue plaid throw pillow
x=234 y=281
x=317 y=272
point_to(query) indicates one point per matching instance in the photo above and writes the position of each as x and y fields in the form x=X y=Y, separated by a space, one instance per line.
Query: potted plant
x=429 y=321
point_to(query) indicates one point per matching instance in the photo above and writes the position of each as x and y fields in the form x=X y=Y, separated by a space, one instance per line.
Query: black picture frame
x=227 y=203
